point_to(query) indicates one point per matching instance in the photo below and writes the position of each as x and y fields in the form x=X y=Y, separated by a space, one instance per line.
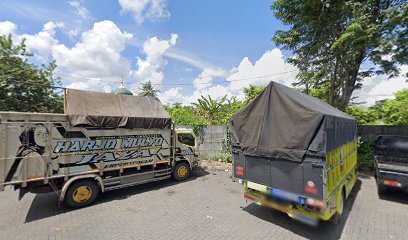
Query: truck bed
x=392 y=166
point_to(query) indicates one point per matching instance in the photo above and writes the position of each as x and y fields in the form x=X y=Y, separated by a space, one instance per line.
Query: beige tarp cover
x=284 y=123
x=106 y=110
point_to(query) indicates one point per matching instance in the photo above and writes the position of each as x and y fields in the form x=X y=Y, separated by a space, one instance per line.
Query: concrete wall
x=370 y=132
x=213 y=140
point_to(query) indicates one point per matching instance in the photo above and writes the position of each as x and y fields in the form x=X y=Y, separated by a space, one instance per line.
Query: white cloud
x=187 y=58
x=43 y=42
x=216 y=92
x=97 y=54
x=204 y=80
x=380 y=87
x=270 y=67
x=93 y=85
x=7 y=27
x=171 y=96
x=145 y=9
x=80 y=9
x=151 y=68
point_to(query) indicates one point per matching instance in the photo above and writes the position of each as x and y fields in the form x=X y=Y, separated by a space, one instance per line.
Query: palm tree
x=147 y=90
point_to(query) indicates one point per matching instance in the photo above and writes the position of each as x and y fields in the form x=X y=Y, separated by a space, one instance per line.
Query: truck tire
x=380 y=190
x=181 y=171
x=81 y=193
x=338 y=216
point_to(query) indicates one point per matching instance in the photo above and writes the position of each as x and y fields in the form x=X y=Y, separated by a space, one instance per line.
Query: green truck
x=295 y=153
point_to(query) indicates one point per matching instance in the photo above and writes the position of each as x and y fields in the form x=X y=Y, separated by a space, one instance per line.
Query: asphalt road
x=208 y=206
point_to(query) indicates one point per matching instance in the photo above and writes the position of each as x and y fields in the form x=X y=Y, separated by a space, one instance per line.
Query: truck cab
x=186 y=152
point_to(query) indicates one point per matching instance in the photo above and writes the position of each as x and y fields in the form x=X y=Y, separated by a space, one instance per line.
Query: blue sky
x=194 y=44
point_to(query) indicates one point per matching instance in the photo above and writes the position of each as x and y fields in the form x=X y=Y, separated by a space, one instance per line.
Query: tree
x=331 y=39
x=228 y=109
x=25 y=87
x=395 y=111
x=251 y=92
x=362 y=116
x=209 y=109
x=148 y=90
x=185 y=115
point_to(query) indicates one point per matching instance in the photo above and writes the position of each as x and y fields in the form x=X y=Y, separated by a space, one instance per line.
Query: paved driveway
x=209 y=206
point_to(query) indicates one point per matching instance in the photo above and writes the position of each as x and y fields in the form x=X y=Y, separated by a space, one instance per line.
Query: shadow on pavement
x=47 y=205
x=395 y=196
x=325 y=230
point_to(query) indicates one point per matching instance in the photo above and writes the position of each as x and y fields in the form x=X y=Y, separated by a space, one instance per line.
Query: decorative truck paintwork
x=45 y=150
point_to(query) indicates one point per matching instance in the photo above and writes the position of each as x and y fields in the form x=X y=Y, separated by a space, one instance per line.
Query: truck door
x=186 y=147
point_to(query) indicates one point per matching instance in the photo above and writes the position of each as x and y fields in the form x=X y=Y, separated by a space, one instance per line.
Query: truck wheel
x=337 y=217
x=82 y=193
x=381 y=190
x=340 y=206
x=181 y=171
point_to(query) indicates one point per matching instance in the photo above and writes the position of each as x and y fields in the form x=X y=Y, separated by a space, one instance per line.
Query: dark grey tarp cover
x=106 y=110
x=284 y=123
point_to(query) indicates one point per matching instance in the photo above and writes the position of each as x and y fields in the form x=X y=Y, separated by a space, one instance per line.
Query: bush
x=365 y=152
x=221 y=157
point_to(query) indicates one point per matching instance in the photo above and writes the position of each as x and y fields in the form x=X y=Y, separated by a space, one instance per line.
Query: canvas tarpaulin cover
x=284 y=123
x=106 y=110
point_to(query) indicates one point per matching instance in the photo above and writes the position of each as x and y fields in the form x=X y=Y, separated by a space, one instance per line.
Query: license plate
x=285 y=195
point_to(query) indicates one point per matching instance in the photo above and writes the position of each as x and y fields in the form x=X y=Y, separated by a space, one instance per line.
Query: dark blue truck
x=391 y=163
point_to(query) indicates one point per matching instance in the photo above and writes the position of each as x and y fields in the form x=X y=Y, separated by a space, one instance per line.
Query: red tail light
x=392 y=183
x=249 y=197
x=239 y=171
x=310 y=190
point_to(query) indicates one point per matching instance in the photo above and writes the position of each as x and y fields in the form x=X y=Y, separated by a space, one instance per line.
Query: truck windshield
x=186 y=138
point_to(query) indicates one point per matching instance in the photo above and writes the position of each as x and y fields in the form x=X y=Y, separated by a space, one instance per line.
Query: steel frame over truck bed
x=295 y=153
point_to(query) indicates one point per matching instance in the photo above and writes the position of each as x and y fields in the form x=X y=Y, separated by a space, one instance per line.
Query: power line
x=156 y=84
x=184 y=84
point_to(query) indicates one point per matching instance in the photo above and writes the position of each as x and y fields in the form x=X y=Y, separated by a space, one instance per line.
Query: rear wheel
x=181 y=171
x=381 y=190
x=340 y=208
x=82 y=193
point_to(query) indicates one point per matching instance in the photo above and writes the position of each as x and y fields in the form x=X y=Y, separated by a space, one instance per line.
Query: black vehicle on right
x=391 y=163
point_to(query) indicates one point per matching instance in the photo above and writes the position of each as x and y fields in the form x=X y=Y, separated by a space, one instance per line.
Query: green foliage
x=25 y=87
x=185 y=115
x=395 y=111
x=217 y=112
x=365 y=153
x=389 y=112
x=252 y=92
x=331 y=39
x=147 y=90
x=231 y=107
x=221 y=157
x=362 y=116
x=209 y=109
